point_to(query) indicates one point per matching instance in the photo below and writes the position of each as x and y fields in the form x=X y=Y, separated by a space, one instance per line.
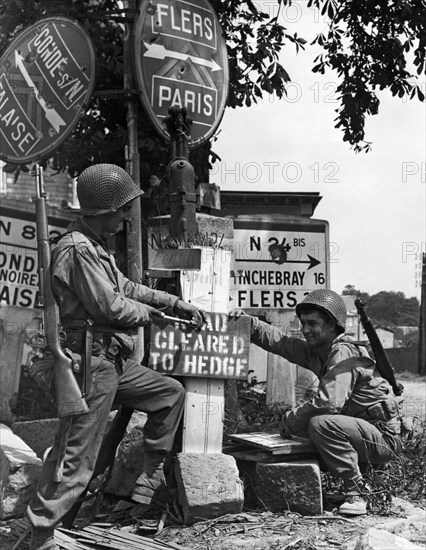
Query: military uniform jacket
x=349 y=382
x=87 y=283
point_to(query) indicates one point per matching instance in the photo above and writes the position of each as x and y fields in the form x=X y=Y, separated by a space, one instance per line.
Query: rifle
x=383 y=364
x=68 y=396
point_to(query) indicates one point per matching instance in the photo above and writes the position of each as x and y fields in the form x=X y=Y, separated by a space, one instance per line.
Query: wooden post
x=134 y=225
x=280 y=386
x=205 y=397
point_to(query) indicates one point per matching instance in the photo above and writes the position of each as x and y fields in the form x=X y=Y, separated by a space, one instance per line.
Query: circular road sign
x=181 y=59
x=46 y=79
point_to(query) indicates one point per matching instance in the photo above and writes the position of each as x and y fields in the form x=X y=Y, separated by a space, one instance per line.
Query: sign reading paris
x=181 y=60
x=46 y=79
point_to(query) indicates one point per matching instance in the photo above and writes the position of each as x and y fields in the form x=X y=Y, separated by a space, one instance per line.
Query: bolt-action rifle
x=383 y=364
x=66 y=391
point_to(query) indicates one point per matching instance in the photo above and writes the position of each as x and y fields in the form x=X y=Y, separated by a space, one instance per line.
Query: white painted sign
x=277 y=265
x=209 y=287
x=18 y=260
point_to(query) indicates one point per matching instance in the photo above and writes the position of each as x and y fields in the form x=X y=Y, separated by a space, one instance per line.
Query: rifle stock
x=383 y=364
x=68 y=396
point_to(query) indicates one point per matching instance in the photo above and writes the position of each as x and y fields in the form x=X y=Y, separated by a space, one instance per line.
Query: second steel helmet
x=104 y=188
x=329 y=302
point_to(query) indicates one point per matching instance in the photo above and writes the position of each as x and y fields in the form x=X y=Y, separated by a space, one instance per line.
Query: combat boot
x=356 y=498
x=152 y=479
x=43 y=539
x=354 y=505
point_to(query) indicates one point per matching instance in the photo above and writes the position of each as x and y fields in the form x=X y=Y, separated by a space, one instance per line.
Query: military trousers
x=347 y=444
x=79 y=438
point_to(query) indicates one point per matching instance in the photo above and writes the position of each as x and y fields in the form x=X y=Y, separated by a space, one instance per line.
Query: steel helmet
x=104 y=188
x=327 y=301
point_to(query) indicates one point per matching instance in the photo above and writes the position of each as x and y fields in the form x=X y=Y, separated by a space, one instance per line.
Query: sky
x=374 y=202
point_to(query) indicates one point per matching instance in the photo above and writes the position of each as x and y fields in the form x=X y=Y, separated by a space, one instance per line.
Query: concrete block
x=128 y=461
x=209 y=486
x=20 y=469
x=37 y=434
x=293 y=486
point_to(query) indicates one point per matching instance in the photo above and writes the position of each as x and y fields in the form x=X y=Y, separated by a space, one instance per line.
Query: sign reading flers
x=46 y=79
x=181 y=60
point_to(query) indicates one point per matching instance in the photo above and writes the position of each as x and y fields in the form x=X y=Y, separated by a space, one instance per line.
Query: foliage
x=388 y=308
x=367 y=44
x=393 y=308
x=350 y=290
x=256 y=414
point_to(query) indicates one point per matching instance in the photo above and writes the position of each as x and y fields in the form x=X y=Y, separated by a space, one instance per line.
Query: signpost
x=181 y=60
x=276 y=265
x=46 y=80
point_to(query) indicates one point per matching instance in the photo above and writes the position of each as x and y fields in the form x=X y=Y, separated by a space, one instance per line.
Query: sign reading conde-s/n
x=181 y=60
x=46 y=79
x=219 y=350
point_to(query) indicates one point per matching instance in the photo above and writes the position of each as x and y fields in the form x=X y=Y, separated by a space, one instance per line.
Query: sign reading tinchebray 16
x=276 y=265
x=181 y=60
x=46 y=80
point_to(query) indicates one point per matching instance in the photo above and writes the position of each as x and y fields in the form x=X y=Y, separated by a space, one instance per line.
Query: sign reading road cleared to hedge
x=277 y=265
x=219 y=350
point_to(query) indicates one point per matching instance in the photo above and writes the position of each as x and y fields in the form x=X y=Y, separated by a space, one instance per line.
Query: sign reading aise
x=220 y=350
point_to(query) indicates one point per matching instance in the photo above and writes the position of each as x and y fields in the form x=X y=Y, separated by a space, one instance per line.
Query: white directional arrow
x=158 y=51
x=52 y=116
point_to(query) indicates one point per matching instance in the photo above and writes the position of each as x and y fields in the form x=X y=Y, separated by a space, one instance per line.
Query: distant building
x=386 y=336
x=353 y=325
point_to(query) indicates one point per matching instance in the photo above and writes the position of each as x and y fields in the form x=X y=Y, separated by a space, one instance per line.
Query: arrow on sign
x=312 y=261
x=158 y=51
x=52 y=116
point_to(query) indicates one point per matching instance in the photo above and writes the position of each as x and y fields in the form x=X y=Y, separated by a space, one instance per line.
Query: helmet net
x=104 y=188
x=327 y=301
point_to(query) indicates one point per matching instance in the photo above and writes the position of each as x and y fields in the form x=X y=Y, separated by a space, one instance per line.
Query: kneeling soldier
x=353 y=420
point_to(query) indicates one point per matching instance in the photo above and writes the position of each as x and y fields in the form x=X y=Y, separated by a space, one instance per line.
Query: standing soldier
x=100 y=308
x=353 y=420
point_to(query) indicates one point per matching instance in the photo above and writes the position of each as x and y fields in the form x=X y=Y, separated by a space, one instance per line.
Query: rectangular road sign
x=219 y=350
x=18 y=257
x=277 y=264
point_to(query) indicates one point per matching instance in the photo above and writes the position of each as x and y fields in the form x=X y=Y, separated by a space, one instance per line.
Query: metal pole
x=422 y=324
x=134 y=225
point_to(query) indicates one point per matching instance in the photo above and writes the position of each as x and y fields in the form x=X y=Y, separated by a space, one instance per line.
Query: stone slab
x=209 y=486
x=128 y=461
x=20 y=469
x=290 y=486
x=37 y=434
x=379 y=539
x=411 y=526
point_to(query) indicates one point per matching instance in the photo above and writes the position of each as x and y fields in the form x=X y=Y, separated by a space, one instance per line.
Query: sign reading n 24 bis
x=181 y=60
x=277 y=265
x=46 y=79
